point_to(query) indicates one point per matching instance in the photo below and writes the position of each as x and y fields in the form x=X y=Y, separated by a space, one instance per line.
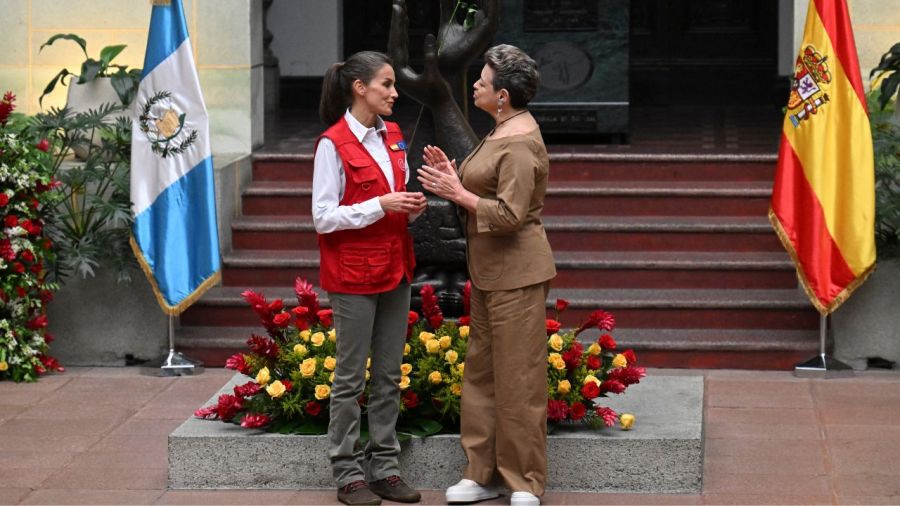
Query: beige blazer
x=507 y=247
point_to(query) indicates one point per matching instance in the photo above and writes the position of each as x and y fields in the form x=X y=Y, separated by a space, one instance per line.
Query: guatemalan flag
x=175 y=236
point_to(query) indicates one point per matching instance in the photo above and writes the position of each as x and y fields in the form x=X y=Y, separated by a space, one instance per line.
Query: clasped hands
x=438 y=174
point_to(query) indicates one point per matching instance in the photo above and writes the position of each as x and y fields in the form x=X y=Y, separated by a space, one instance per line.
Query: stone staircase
x=678 y=247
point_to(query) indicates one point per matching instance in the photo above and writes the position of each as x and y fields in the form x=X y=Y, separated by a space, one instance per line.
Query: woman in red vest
x=361 y=210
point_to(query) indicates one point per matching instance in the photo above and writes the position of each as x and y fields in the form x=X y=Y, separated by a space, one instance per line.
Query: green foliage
x=886 y=143
x=91 y=223
x=124 y=81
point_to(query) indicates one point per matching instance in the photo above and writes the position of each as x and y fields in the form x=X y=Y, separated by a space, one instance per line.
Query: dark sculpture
x=439 y=241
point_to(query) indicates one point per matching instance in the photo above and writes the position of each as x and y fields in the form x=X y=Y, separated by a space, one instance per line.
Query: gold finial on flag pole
x=161 y=2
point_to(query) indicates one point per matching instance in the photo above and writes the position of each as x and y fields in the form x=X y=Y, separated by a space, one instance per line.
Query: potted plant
x=98 y=82
x=867 y=326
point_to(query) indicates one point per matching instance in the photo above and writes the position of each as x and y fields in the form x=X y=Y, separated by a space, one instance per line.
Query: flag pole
x=822 y=365
x=175 y=363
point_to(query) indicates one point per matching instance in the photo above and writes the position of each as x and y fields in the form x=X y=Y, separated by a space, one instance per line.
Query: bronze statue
x=439 y=242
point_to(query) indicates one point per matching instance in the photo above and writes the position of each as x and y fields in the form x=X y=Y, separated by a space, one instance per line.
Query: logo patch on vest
x=400 y=146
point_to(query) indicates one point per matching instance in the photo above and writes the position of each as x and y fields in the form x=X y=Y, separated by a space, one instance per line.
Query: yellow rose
x=451 y=356
x=331 y=378
x=627 y=421
x=317 y=339
x=329 y=363
x=332 y=335
x=464 y=331
x=445 y=342
x=564 y=387
x=435 y=377
x=425 y=336
x=559 y=364
x=461 y=368
x=594 y=349
x=262 y=377
x=3 y=365
x=591 y=377
x=276 y=389
x=619 y=361
x=433 y=346
x=404 y=382
x=555 y=342
x=405 y=369
x=406 y=349
x=456 y=389
x=553 y=357
x=304 y=334
x=308 y=367
x=299 y=349
x=322 y=392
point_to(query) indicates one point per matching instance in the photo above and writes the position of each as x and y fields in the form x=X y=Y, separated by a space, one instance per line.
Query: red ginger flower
x=248 y=389
x=7 y=107
x=430 y=307
x=572 y=357
x=608 y=415
x=255 y=420
x=627 y=375
x=600 y=319
x=557 y=411
x=263 y=346
x=630 y=356
x=467 y=297
x=238 y=363
x=612 y=386
x=306 y=295
x=228 y=406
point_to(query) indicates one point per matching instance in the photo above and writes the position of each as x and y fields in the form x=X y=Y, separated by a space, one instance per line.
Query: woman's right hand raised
x=403 y=202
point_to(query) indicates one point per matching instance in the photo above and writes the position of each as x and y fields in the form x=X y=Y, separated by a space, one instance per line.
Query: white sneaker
x=524 y=499
x=469 y=491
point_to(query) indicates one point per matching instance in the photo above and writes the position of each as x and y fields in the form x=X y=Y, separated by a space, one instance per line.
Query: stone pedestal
x=868 y=324
x=662 y=454
x=582 y=51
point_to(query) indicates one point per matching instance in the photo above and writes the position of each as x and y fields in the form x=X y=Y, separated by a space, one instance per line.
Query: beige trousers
x=504 y=396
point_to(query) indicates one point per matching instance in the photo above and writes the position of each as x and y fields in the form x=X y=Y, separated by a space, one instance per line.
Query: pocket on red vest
x=365 y=264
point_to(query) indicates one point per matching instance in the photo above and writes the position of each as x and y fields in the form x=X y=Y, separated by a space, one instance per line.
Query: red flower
x=412 y=318
x=612 y=386
x=465 y=320
x=306 y=295
x=288 y=386
x=228 y=407
x=4 y=199
x=313 y=408
x=572 y=358
x=430 y=307
x=577 y=411
x=561 y=305
x=7 y=106
x=282 y=319
x=50 y=363
x=326 y=317
x=627 y=375
x=436 y=320
x=27 y=256
x=44 y=145
x=207 y=412
x=410 y=399
x=630 y=356
x=608 y=415
x=557 y=411
x=607 y=342
x=600 y=319
x=6 y=251
x=552 y=327
x=248 y=389
x=21 y=292
x=593 y=362
x=300 y=311
x=263 y=346
x=48 y=338
x=467 y=296
x=252 y=421
x=258 y=302
x=276 y=305
x=11 y=221
x=590 y=390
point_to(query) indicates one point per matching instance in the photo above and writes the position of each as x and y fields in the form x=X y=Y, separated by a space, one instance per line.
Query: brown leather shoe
x=357 y=492
x=392 y=488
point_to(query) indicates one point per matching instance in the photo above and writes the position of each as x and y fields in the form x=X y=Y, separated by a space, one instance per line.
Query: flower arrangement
x=292 y=369
x=27 y=191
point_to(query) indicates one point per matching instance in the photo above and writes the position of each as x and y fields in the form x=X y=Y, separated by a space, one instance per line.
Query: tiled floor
x=99 y=436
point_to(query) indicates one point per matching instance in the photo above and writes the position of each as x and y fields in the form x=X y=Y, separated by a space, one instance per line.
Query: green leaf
x=90 y=69
x=888 y=89
x=52 y=84
x=125 y=86
x=420 y=427
x=109 y=52
x=67 y=36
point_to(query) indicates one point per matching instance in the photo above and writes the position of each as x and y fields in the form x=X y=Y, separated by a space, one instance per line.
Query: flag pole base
x=177 y=364
x=823 y=366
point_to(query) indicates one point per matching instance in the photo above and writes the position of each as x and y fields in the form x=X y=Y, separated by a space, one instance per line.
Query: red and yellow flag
x=823 y=200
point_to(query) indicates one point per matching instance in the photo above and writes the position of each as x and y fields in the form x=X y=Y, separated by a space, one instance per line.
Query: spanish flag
x=823 y=200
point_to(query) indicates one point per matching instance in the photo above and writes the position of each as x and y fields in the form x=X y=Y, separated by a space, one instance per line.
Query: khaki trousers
x=367 y=324
x=504 y=396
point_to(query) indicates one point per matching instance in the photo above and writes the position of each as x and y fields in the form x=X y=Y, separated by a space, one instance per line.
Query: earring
x=499 y=106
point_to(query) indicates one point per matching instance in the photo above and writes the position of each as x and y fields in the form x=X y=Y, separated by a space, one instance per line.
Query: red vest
x=373 y=259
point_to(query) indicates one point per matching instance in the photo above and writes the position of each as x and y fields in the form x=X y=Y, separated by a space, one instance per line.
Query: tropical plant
x=886 y=144
x=91 y=223
x=124 y=81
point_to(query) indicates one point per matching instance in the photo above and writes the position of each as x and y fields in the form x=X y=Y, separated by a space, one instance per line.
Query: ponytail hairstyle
x=337 y=85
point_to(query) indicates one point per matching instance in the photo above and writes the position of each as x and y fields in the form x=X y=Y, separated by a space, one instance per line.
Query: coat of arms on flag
x=808 y=86
x=175 y=235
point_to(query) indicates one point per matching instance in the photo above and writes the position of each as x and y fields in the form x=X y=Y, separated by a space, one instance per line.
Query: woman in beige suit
x=500 y=186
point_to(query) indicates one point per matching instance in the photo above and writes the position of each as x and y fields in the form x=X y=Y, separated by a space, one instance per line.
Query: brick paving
x=99 y=436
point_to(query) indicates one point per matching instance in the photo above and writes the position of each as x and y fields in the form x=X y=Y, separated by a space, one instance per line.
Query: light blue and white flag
x=172 y=189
